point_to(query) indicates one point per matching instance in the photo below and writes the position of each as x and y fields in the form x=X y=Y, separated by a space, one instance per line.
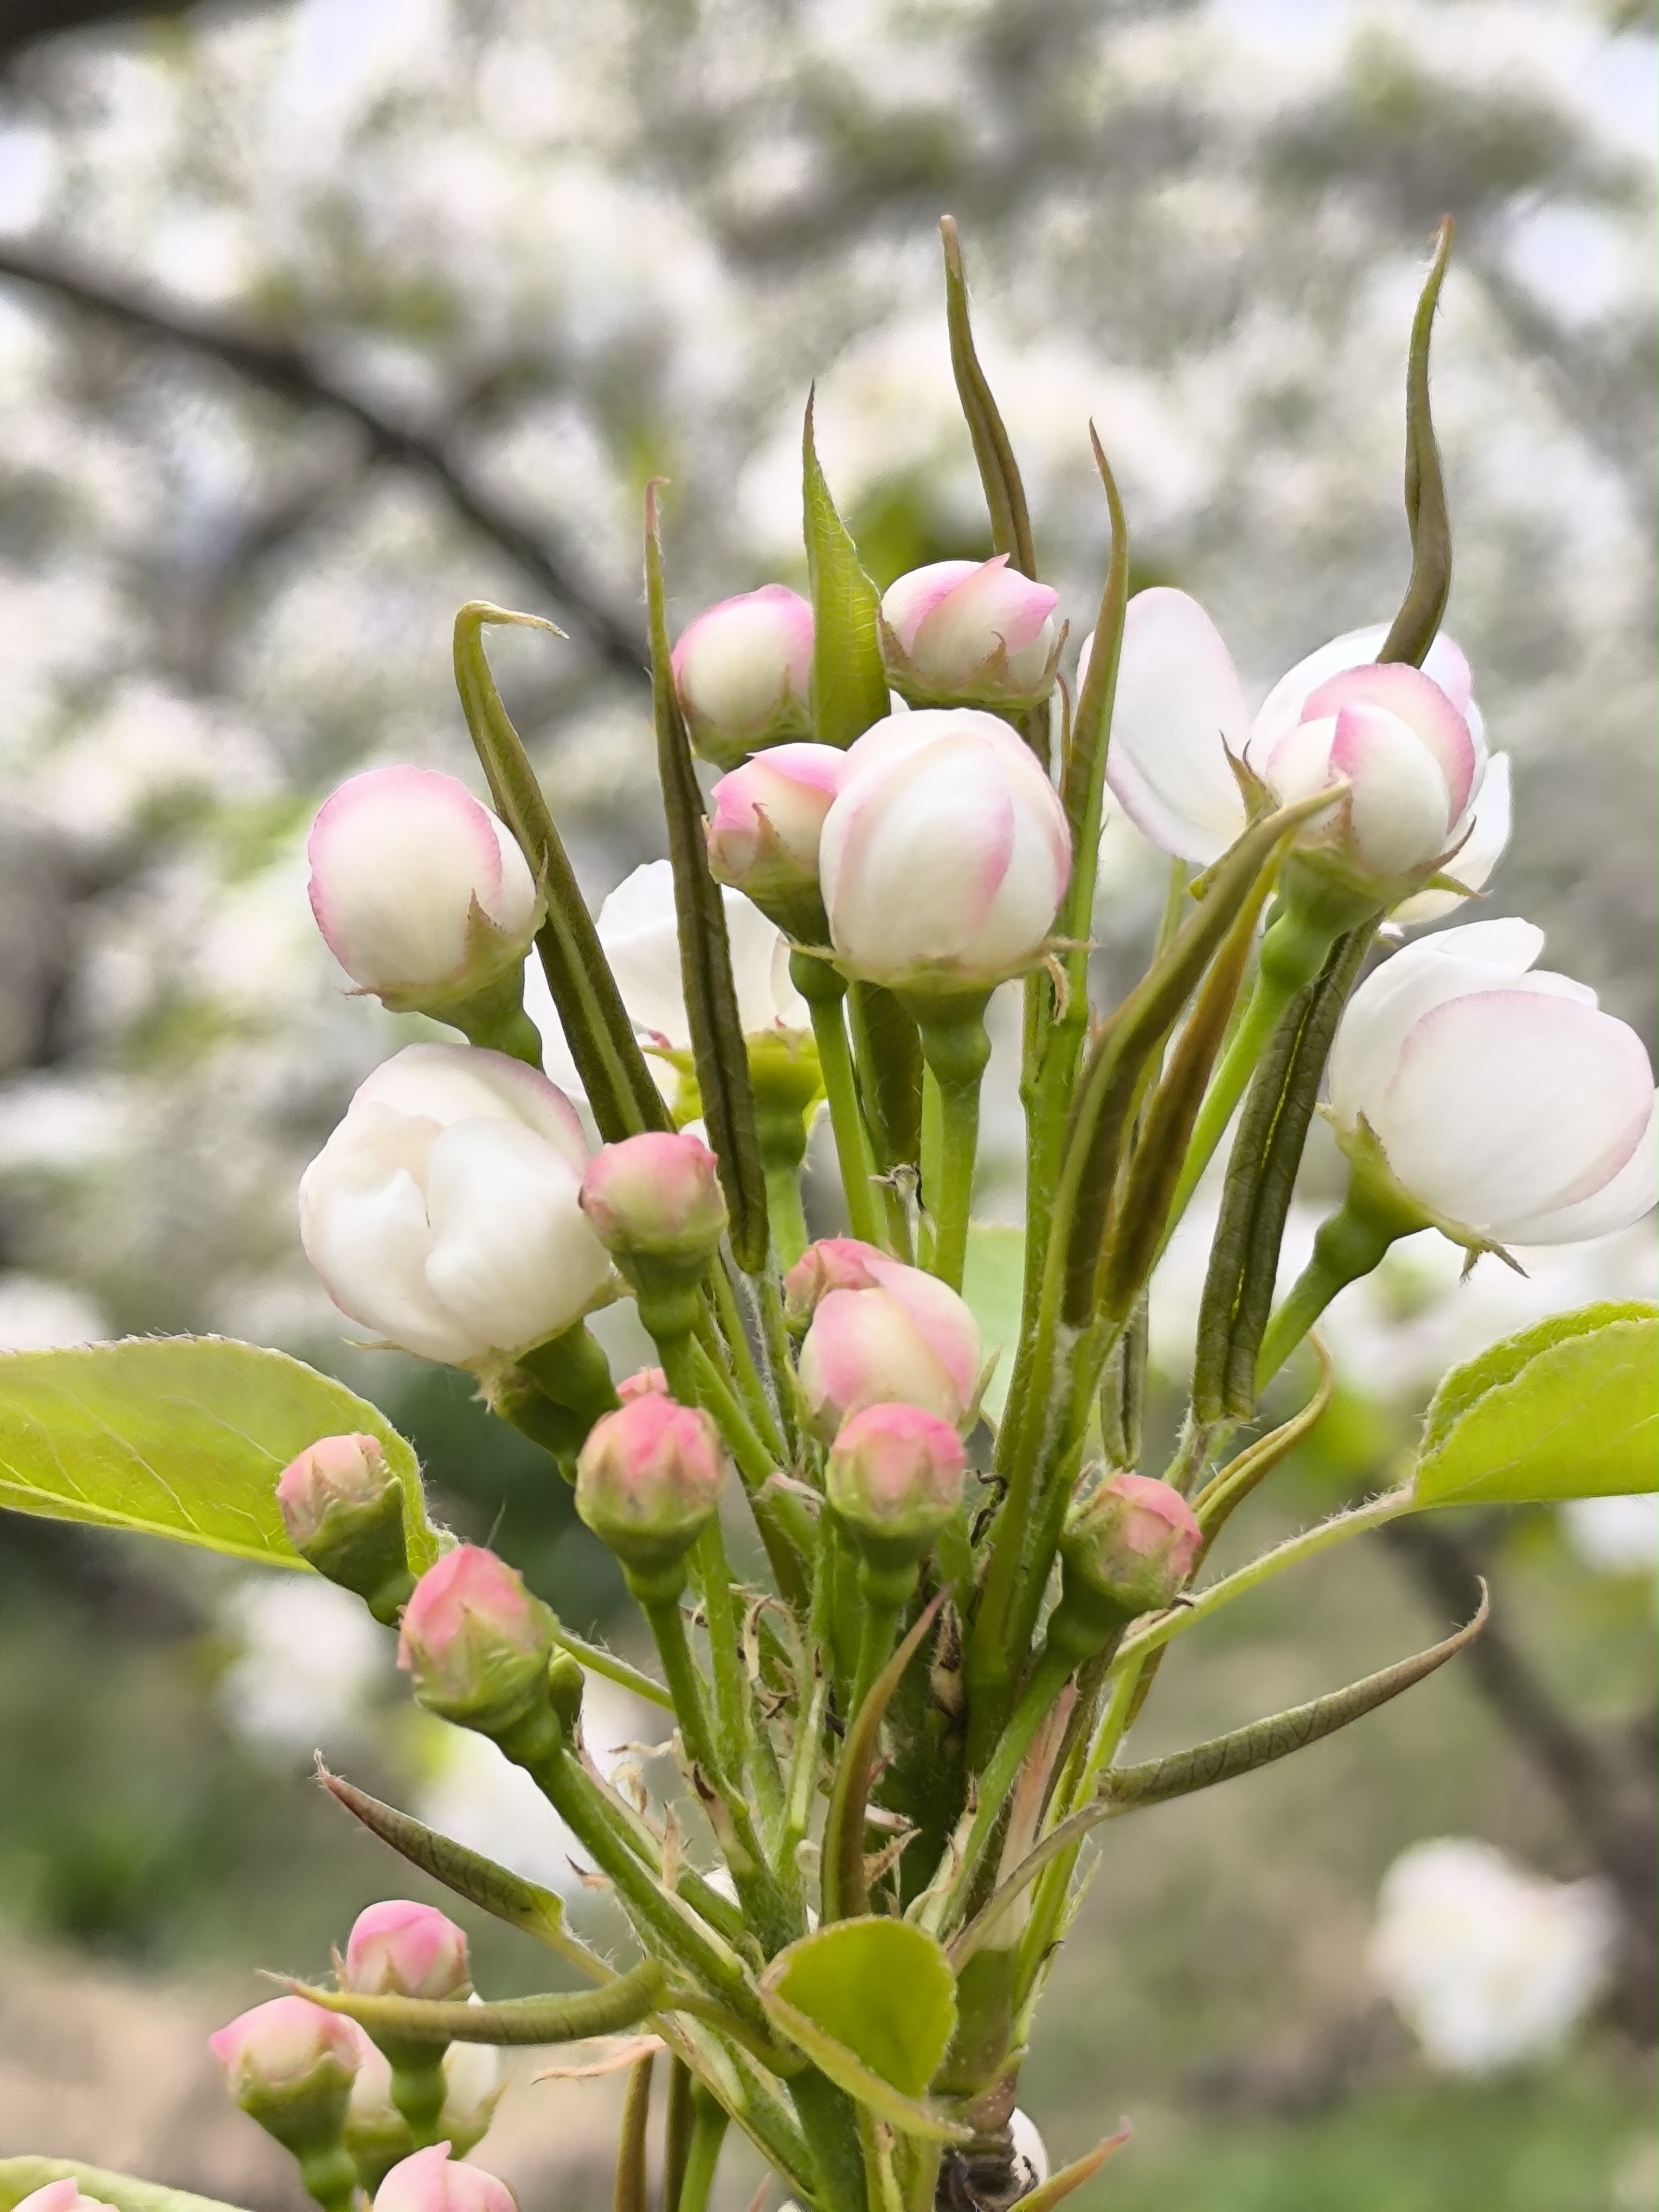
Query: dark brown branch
x=283 y=369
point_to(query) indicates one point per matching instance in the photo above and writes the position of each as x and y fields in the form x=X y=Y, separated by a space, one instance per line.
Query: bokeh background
x=318 y=319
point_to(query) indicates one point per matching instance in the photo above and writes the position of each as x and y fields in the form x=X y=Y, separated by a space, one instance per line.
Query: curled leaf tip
x=1418 y=623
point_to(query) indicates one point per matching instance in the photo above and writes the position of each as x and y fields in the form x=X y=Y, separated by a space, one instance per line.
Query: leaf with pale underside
x=1568 y=1408
x=872 y=2002
x=180 y=1436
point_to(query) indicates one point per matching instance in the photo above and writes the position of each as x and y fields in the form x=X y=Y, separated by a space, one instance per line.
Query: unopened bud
x=742 y=670
x=881 y=1332
x=763 y=831
x=647 y=1484
x=343 y=1507
x=649 y=1382
x=834 y=1263
x=894 y=1478
x=656 y=1197
x=432 y=2181
x=1129 y=1549
x=399 y=1948
x=476 y=1641
x=970 y=633
x=64 y=2195
x=290 y=2067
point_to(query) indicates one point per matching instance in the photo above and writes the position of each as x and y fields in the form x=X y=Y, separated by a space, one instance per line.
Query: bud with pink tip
x=970 y=633
x=64 y=2195
x=399 y=1948
x=649 y=1382
x=894 y=1479
x=743 y=670
x=945 y=856
x=432 y=2182
x=422 y=895
x=1129 y=1548
x=647 y=1484
x=894 y=1334
x=764 y=829
x=656 y=1196
x=343 y=1507
x=833 y=1263
x=475 y=1642
x=290 y=2066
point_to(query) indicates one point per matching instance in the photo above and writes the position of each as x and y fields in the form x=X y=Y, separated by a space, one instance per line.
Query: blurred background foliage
x=318 y=319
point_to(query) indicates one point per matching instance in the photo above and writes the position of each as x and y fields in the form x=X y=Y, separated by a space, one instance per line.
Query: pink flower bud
x=834 y=1263
x=475 y=1640
x=764 y=829
x=334 y=1473
x=963 y=633
x=649 y=1480
x=905 y=1337
x=397 y=1948
x=649 y=1382
x=945 y=856
x=894 y=1478
x=63 y=2196
x=288 y=2055
x=656 y=1195
x=421 y=893
x=743 y=670
x=1132 y=1543
x=432 y=2182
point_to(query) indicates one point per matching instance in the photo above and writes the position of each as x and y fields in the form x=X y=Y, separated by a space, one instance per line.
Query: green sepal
x=561 y=2017
x=1418 y=623
x=615 y=1078
x=849 y=684
x=364 y=1548
x=22 y=2177
x=711 y=997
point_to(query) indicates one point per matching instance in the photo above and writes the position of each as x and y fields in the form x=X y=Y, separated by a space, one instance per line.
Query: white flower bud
x=742 y=670
x=970 y=633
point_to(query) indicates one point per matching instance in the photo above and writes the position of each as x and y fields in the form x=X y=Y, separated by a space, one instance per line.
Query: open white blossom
x=1488 y=1966
x=312 y=1657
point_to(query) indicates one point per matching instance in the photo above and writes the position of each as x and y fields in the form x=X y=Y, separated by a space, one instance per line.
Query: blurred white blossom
x=1614 y=1535
x=311 y=1659
x=1488 y=1966
x=38 y=1316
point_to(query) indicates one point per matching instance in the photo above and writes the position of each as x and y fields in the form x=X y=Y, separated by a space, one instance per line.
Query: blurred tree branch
x=285 y=370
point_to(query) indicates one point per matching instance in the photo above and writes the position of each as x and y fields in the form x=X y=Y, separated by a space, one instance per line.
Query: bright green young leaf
x=1569 y=1408
x=992 y=1282
x=873 y=2003
x=180 y=1436
x=22 y=2177
x=849 y=684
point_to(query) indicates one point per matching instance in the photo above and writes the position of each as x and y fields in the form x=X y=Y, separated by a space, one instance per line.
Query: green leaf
x=1569 y=1408
x=619 y=1086
x=873 y=2004
x=999 y=472
x=561 y=2017
x=993 y=1279
x=21 y=2177
x=849 y=684
x=182 y=1437
x=1429 y=583
x=718 y=1050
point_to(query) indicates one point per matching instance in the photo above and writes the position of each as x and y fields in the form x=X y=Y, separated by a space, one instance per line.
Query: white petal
x=449 y=1083
x=363 y=1223
x=512 y=1257
x=1632 y=1191
x=1397 y=803
x=637 y=929
x=1475 y=860
x=755 y=944
x=1179 y=710
x=1508 y=1103
x=1282 y=707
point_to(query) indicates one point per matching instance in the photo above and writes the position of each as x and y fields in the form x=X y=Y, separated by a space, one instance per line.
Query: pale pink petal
x=1397 y=797
x=1179 y=711
x=1283 y=707
x=1632 y=1193
x=863 y=1349
x=944 y=1317
x=1421 y=705
x=455 y=1082
x=736 y=663
x=994 y=605
x=906 y=603
x=1488 y=828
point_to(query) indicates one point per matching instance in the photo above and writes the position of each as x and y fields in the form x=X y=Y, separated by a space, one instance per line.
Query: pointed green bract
x=1568 y=1408
x=849 y=684
x=873 y=2004
x=619 y=1086
x=999 y=472
x=560 y=2017
x=718 y=1051
x=22 y=2177
x=180 y=1436
x=1418 y=622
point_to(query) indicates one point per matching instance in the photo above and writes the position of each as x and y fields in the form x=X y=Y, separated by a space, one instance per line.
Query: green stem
x=955 y=1049
x=824 y=990
x=709 y=2126
x=329 y=2177
x=784 y=1210
x=1052 y=1671
x=495 y=1018
x=811 y=1704
x=730 y=1330
x=1349 y=1245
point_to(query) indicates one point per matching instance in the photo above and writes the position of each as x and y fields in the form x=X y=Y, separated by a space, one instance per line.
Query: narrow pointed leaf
x=1083 y=779
x=495 y=1889
x=718 y=1051
x=182 y=1437
x=620 y=1087
x=1111 y=1078
x=1568 y=1408
x=845 y=1892
x=22 y=2177
x=999 y=472
x=872 y=2002
x=1059 y=2186
x=849 y=684
x=1418 y=620
x=559 y=2018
